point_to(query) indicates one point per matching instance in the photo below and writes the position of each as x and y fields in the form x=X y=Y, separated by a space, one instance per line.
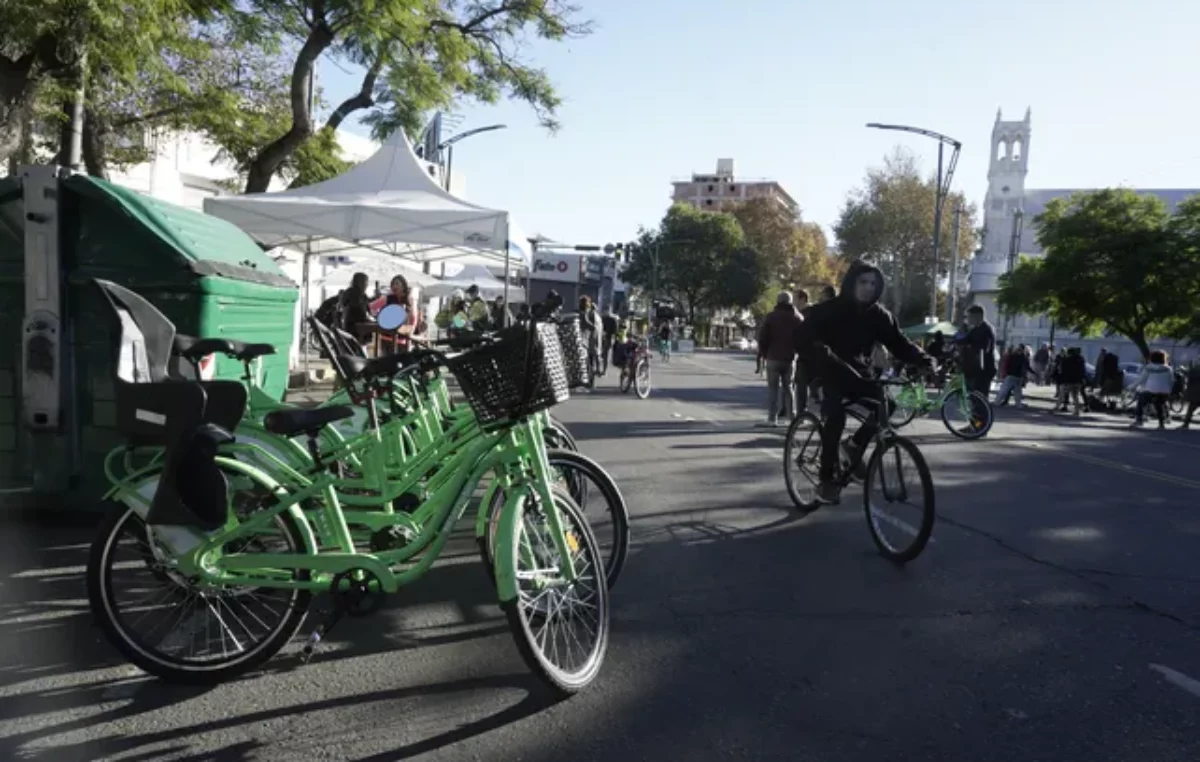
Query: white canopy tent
x=477 y=275
x=390 y=203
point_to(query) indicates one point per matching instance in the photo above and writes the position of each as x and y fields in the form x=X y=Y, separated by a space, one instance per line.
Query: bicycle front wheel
x=969 y=418
x=898 y=499
x=560 y=627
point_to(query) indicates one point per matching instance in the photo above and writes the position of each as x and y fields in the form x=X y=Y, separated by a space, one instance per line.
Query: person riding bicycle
x=624 y=346
x=837 y=340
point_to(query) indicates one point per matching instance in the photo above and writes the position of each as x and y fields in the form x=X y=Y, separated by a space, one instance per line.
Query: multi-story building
x=713 y=192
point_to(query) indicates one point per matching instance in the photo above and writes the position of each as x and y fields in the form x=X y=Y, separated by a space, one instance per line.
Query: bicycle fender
x=506 y=573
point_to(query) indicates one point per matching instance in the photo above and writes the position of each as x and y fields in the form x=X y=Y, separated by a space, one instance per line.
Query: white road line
x=903 y=526
x=1178 y=679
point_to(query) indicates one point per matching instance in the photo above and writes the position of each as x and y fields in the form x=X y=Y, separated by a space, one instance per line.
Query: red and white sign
x=564 y=268
x=208 y=367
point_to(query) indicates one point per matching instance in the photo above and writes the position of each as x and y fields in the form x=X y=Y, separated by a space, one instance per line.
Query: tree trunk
x=271 y=158
x=95 y=155
x=1138 y=337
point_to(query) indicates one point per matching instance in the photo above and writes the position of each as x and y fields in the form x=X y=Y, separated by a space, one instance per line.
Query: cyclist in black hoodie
x=836 y=340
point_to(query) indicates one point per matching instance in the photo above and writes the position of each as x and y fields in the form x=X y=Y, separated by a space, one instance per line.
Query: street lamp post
x=448 y=146
x=943 y=190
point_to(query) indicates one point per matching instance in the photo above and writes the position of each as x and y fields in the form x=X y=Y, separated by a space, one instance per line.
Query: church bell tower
x=1007 y=167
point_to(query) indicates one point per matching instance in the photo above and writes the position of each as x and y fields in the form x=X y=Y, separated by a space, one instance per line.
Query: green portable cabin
x=207 y=276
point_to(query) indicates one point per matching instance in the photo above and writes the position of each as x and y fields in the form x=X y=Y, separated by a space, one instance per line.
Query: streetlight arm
x=464 y=135
x=918 y=130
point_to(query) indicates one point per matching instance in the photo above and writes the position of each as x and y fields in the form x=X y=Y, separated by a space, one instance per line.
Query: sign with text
x=557 y=267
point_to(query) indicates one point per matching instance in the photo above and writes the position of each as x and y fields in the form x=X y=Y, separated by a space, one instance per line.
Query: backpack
x=327 y=313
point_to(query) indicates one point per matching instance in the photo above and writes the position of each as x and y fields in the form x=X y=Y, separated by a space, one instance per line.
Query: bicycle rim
x=195 y=613
x=898 y=500
x=561 y=629
x=969 y=418
x=802 y=460
x=642 y=379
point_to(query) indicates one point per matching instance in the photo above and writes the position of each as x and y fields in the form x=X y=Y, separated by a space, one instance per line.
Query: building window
x=708 y=202
x=1016 y=150
x=733 y=189
x=710 y=189
x=1001 y=150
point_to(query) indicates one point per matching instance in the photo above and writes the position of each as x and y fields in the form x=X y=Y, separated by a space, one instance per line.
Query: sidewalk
x=1044 y=397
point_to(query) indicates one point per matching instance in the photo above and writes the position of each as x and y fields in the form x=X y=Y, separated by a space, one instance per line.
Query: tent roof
x=389 y=198
x=928 y=329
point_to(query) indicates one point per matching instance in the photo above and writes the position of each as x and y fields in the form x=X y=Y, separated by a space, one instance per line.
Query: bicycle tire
x=560 y=681
x=618 y=511
x=559 y=437
x=928 y=514
x=977 y=433
x=100 y=594
x=637 y=378
x=626 y=381
x=789 y=457
x=898 y=420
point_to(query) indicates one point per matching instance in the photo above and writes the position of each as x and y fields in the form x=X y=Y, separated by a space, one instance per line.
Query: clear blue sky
x=665 y=87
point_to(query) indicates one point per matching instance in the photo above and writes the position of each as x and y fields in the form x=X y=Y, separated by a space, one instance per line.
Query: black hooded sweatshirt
x=838 y=335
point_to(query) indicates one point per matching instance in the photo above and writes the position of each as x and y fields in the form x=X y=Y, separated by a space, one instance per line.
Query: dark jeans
x=1159 y=401
x=980 y=382
x=802 y=381
x=833 y=414
x=1187 y=419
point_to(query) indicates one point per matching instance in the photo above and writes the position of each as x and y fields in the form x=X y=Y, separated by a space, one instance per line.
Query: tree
x=1116 y=262
x=418 y=55
x=743 y=276
x=693 y=250
x=890 y=221
x=794 y=252
x=45 y=43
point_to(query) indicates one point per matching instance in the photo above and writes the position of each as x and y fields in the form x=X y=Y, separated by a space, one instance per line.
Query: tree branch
x=363 y=99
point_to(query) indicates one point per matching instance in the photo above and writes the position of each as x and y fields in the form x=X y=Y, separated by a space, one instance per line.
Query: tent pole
x=529 y=273
x=506 y=276
x=304 y=307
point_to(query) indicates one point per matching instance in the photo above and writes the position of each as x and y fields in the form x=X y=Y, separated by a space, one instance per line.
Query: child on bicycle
x=623 y=348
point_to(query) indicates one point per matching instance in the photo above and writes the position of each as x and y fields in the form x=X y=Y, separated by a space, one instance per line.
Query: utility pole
x=950 y=297
x=1014 y=245
x=939 y=201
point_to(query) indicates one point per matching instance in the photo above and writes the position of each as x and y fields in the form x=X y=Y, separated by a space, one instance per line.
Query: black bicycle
x=899 y=538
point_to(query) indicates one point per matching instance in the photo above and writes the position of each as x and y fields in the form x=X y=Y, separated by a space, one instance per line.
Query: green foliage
x=890 y=221
x=696 y=251
x=1115 y=261
x=793 y=251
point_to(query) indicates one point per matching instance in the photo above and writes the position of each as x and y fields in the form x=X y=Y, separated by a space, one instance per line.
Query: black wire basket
x=502 y=381
x=574 y=349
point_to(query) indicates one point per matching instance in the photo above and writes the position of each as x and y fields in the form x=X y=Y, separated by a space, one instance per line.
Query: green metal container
x=206 y=275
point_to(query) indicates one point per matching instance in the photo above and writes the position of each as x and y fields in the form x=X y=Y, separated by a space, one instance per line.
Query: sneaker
x=850 y=452
x=829 y=493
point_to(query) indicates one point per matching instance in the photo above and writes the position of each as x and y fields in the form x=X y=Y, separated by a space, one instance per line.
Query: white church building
x=1006 y=193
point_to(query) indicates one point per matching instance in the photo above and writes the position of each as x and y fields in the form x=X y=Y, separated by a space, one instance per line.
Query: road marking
x=1178 y=679
x=1156 y=475
x=900 y=524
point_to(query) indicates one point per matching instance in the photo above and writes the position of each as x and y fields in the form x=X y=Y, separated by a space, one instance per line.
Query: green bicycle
x=900 y=522
x=955 y=401
x=420 y=416
x=238 y=551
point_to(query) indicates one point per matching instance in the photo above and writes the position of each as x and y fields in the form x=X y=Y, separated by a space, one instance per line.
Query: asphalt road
x=1056 y=616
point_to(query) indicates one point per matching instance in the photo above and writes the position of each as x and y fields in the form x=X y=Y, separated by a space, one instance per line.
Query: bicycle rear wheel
x=899 y=521
x=975 y=413
x=802 y=460
x=250 y=624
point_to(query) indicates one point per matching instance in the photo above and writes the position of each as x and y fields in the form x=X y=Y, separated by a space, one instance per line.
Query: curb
x=296 y=379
